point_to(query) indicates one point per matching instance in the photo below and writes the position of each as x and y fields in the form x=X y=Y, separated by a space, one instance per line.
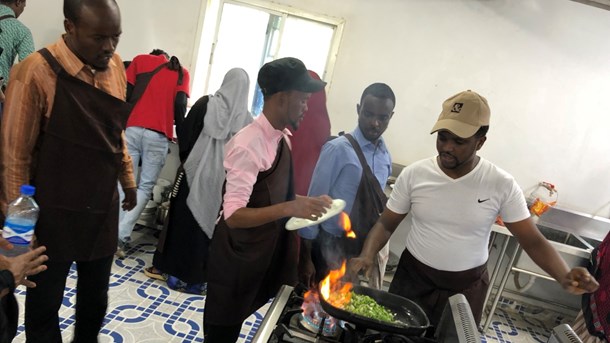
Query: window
x=247 y=34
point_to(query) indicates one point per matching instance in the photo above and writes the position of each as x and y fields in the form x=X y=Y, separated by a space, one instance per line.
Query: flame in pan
x=332 y=288
x=334 y=291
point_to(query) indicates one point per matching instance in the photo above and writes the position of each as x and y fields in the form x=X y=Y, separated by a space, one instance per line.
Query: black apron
x=247 y=267
x=328 y=251
x=77 y=169
x=431 y=288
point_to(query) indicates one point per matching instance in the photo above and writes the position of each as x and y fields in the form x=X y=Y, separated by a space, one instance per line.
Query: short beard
x=294 y=124
x=457 y=163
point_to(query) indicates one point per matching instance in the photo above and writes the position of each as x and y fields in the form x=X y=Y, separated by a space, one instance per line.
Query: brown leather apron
x=77 y=170
x=330 y=251
x=246 y=267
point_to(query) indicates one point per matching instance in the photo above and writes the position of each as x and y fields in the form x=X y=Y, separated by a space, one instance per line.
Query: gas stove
x=286 y=321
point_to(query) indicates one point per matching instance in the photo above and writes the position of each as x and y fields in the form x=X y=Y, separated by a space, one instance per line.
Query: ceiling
x=604 y=4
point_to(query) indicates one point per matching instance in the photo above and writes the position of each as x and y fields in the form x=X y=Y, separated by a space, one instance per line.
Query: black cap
x=286 y=74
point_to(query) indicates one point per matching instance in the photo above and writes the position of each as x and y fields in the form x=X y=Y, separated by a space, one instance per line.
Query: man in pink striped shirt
x=251 y=253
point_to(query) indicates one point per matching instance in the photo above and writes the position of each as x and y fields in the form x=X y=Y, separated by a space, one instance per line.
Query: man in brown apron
x=355 y=168
x=251 y=253
x=63 y=132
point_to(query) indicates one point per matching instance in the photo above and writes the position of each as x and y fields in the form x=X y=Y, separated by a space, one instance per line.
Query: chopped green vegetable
x=368 y=307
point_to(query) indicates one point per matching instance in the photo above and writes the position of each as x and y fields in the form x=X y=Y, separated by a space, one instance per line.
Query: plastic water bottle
x=20 y=221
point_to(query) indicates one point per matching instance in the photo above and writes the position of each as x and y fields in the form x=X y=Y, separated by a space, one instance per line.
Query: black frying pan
x=413 y=320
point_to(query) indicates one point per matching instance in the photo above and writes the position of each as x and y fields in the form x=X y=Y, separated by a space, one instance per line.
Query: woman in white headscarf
x=197 y=194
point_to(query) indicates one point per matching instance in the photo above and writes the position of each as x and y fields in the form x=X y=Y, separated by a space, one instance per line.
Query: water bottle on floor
x=21 y=218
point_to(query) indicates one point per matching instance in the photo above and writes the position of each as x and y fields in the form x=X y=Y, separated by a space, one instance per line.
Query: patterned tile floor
x=517 y=322
x=145 y=311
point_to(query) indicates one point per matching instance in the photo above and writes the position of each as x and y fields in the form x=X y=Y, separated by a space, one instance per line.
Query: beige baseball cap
x=463 y=114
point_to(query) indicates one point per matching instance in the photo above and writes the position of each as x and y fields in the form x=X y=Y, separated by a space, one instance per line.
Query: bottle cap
x=28 y=190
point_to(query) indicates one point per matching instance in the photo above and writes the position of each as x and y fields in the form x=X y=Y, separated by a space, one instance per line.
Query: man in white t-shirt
x=454 y=199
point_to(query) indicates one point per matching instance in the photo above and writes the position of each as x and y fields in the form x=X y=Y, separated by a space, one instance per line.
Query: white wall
x=542 y=64
x=147 y=24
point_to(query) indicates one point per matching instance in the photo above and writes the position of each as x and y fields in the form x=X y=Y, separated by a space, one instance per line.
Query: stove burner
x=313 y=323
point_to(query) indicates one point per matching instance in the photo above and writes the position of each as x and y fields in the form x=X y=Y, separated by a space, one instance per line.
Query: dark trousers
x=9 y=317
x=42 y=303
x=221 y=333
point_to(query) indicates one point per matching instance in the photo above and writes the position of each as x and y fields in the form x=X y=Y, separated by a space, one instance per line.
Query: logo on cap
x=457 y=107
x=463 y=114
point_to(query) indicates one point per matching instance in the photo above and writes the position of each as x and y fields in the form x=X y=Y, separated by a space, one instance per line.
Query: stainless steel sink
x=581 y=224
x=573 y=249
x=567 y=238
x=574 y=235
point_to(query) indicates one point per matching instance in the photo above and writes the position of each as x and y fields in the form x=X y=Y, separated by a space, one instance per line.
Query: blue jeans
x=151 y=147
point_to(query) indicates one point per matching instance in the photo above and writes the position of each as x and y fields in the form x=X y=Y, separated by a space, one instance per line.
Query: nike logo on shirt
x=481 y=201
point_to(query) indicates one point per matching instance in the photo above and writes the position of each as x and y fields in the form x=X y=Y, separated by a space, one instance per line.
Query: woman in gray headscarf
x=197 y=194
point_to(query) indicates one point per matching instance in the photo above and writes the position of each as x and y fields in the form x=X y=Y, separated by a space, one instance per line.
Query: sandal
x=157 y=275
x=181 y=286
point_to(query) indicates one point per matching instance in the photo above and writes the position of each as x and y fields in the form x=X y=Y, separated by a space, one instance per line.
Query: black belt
x=157 y=131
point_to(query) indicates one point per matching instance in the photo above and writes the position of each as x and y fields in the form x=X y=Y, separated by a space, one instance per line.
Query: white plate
x=298 y=223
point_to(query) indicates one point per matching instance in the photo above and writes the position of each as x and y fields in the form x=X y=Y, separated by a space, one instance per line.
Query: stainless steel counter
x=575 y=223
x=578 y=233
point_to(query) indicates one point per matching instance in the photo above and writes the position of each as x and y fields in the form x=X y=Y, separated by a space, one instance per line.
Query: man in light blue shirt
x=341 y=174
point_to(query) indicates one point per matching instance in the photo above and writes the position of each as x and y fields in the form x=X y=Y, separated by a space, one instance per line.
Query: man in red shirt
x=150 y=125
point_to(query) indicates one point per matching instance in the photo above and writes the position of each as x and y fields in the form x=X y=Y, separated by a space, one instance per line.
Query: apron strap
x=290 y=195
x=174 y=60
x=140 y=87
x=52 y=61
x=6 y=17
x=365 y=167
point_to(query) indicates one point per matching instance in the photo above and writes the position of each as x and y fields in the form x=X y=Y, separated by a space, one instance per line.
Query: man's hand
x=301 y=207
x=359 y=265
x=578 y=281
x=24 y=265
x=310 y=208
x=131 y=198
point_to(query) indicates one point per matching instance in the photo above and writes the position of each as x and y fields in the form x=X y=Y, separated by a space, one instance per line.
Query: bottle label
x=18 y=234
